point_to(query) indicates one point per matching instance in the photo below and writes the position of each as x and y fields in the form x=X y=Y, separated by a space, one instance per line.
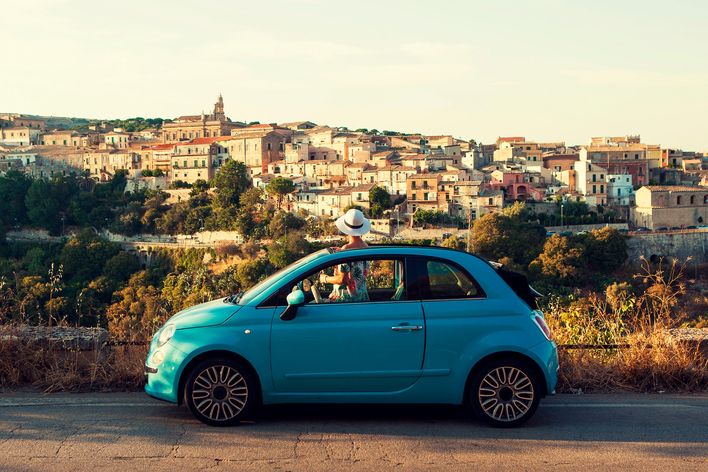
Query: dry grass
x=637 y=318
x=652 y=363
x=52 y=369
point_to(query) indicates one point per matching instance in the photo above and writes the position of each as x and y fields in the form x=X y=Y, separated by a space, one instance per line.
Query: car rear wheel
x=220 y=392
x=505 y=393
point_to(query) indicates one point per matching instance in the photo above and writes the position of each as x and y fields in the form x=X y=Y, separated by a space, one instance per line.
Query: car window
x=265 y=283
x=449 y=281
x=373 y=280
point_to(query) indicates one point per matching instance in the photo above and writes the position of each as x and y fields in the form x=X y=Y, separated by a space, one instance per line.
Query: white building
x=619 y=189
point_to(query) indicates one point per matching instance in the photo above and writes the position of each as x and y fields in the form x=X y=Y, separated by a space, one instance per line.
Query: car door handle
x=406 y=328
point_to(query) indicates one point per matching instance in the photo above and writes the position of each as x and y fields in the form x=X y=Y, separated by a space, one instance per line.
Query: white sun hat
x=353 y=223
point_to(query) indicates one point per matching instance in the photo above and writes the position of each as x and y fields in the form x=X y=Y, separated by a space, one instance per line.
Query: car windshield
x=260 y=286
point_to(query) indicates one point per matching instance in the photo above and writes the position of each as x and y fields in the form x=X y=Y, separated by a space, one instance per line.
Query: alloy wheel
x=506 y=394
x=220 y=393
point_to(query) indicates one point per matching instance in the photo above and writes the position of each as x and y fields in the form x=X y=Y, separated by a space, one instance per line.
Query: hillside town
x=647 y=185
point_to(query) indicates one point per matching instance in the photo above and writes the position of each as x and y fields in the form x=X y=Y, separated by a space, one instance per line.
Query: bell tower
x=219 y=109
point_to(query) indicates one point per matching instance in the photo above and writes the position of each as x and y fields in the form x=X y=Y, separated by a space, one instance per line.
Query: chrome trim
x=407 y=328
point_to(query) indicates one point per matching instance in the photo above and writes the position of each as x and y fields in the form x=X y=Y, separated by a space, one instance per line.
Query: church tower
x=219 y=109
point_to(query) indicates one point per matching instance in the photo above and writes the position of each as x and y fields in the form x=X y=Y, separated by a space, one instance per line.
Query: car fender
x=252 y=347
x=493 y=343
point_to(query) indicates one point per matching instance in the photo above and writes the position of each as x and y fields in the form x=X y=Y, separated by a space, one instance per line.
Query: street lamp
x=561 y=214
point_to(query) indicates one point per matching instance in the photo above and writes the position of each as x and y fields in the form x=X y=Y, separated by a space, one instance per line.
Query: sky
x=550 y=70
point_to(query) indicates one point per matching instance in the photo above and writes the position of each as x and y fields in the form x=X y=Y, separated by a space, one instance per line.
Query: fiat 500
x=433 y=326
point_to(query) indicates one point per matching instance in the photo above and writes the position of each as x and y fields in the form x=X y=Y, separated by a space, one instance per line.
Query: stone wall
x=676 y=244
x=578 y=228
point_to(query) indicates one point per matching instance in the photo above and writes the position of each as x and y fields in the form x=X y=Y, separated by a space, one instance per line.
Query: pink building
x=515 y=185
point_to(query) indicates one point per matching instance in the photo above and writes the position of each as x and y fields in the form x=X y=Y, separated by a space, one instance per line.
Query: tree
x=199 y=186
x=284 y=222
x=121 y=266
x=453 y=242
x=85 y=254
x=561 y=260
x=43 y=209
x=229 y=183
x=379 y=200
x=605 y=249
x=498 y=235
x=278 y=188
x=288 y=249
x=13 y=189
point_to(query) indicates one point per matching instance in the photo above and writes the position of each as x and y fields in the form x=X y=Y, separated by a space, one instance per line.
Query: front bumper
x=162 y=381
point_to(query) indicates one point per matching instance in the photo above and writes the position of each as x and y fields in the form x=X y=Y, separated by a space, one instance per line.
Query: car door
x=348 y=347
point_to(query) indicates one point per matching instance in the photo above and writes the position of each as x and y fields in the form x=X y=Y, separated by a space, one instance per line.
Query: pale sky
x=544 y=69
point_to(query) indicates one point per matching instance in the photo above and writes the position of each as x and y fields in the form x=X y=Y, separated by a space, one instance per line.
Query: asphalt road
x=130 y=431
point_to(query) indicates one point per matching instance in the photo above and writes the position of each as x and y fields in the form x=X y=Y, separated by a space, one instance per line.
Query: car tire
x=505 y=392
x=220 y=392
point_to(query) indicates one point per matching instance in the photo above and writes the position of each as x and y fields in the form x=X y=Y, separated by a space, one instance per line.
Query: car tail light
x=541 y=323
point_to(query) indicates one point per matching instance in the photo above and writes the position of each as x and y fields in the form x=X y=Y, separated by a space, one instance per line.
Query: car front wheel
x=505 y=393
x=220 y=392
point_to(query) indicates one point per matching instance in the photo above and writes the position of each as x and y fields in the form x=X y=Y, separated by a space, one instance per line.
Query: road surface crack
x=64 y=441
x=11 y=434
x=176 y=446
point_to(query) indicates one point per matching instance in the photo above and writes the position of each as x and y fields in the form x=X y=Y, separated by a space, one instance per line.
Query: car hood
x=205 y=314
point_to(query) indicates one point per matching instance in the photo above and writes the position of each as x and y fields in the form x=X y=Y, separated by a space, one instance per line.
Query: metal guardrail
x=121 y=342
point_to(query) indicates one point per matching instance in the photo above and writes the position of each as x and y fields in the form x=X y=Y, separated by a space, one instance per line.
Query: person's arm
x=336 y=279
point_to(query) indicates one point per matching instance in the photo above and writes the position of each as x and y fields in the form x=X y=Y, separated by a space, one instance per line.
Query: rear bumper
x=548 y=353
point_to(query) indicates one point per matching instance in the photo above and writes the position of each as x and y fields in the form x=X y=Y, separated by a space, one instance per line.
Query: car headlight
x=165 y=335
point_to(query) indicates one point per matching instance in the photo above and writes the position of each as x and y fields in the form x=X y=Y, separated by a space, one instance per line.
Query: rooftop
x=675 y=188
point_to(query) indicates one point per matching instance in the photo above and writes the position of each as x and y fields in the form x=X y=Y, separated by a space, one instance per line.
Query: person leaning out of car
x=349 y=279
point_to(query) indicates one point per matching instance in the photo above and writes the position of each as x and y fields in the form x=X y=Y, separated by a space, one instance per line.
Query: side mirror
x=295 y=299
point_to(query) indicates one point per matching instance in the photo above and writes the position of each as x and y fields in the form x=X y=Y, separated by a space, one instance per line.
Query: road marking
x=619 y=405
x=6 y=405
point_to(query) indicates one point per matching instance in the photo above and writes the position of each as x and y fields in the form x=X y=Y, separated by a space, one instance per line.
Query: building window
x=678 y=200
x=594 y=189
x=693 y=199
x=602 y=189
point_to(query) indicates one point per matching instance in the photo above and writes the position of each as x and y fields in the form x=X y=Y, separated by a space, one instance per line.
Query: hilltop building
x=189 y=127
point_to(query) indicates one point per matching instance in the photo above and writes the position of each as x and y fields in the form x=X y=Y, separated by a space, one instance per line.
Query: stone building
x=189 y=127
x=670 y=206
x=19 y=136
x=12 y=120
x=257 y=148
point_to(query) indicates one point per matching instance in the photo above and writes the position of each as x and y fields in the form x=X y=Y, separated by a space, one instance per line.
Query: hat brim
x=342 y=226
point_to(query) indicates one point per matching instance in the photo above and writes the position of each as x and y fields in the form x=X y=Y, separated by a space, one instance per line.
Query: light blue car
x=430 y=325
